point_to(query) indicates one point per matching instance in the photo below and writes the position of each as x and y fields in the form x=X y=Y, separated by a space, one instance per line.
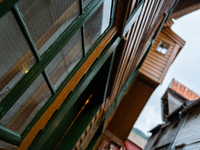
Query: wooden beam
x=121 y=15
x=134 y=16
x=184 y=7
x=173 y=36
x=128 y=111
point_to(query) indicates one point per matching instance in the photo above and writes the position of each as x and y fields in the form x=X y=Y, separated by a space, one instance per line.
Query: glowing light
x=87 y=101
x=26 y=71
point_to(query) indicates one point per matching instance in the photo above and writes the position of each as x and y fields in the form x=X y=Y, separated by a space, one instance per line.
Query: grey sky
x=185 y=69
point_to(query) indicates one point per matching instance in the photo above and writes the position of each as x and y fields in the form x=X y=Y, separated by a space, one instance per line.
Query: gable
x=173 y=103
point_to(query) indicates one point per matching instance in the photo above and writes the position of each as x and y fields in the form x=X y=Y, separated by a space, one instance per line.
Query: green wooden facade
x=57 y=67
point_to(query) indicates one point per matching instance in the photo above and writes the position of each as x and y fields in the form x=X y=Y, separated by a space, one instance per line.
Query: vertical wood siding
x=133 y=40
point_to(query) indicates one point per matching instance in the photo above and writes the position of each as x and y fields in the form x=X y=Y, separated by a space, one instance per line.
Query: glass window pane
x=159 y=49
x=47 y=19
x=64 y=62
x=97 y=24
x=16 y=57
x=27 y=106
x=163 y=47
x=86 y=2
x=164 y=51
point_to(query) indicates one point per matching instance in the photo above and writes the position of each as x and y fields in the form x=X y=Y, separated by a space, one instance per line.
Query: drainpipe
x=183 y=121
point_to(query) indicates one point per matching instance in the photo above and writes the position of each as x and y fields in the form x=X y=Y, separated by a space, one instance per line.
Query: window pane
x=159 y=49
x=163 y=47
x=164 y=51
x=97 y=24
x=86 y=2
x=16 y=57
x=47 y=19
x=64 y=62
x=27 y=106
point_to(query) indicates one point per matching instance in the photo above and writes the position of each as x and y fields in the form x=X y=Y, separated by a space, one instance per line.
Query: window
x=16 y=58
x=47 y=19
x=41 y=44
x=86 y=2
x=97 y=24
x=65 y=60
x=163 y=47
x=27 y=106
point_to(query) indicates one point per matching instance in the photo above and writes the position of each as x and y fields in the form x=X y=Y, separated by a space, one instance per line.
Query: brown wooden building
x=160 y=57
x=70 y=76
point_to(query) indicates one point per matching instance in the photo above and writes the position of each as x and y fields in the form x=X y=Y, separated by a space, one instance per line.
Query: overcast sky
x=185 y=69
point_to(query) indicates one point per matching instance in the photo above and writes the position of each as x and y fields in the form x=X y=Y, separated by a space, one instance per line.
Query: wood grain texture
x=154 y=69
x=121 y=15
x=171 y=59
x=150 y=72
x=149 y=63
x=157 y=64
x=128 y=111
x=173 y=36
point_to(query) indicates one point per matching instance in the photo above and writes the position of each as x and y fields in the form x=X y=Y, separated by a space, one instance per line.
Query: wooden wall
x=151 y=18
x=127 y=112
x=136 y=38
x=157 y=64
x=190 y=132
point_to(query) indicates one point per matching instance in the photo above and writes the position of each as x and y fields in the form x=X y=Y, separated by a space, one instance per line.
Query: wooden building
x=171 y=101
x=160 y=57
x=181 y=128
x=70 y=74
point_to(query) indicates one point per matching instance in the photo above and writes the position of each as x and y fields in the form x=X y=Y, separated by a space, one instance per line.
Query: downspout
x=181 y=114
x=183 y=121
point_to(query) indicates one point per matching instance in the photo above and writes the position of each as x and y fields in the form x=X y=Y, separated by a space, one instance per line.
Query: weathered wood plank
x=149 y=67
x=153 y=73
x=148 y=75
x=158 y=55
x=127 y=108
x=133 y=4
x=121 y=15
x=164 y=38
x=153 y=65
x=171 y=59
x=174 y=36
x=155 y=62
x=136 y=40
x=158 y=60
